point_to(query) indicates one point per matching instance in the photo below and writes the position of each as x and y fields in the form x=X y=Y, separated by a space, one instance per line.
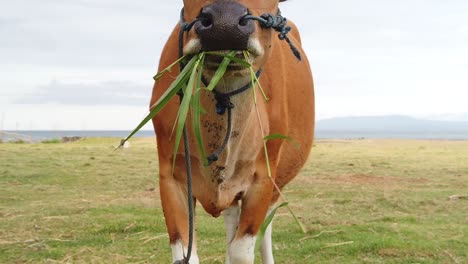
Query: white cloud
x=64 y=117
x=120 y=93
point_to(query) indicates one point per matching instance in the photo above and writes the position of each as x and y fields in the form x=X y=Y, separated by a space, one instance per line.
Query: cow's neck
x=245 y=129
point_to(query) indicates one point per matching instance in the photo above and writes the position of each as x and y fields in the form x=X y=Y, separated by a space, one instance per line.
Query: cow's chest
x=228 y=178
x=245 y=139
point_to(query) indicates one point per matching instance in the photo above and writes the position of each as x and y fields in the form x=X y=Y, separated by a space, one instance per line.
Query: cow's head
x=222 y=27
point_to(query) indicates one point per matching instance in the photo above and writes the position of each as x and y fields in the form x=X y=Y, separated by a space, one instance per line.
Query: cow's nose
x=222 y=26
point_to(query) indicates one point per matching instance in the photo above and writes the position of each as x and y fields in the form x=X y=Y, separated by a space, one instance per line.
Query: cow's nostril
x=206 y=18
x=206 y=22
x=243 y=21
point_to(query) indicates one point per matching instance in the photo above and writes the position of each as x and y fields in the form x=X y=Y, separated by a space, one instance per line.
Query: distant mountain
x=462 y=117
x=392 y=123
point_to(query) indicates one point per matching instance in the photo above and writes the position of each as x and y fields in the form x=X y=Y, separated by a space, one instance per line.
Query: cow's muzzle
x=222 y=26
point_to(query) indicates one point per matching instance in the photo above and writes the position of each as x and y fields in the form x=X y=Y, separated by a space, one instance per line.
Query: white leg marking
x=178 y=253
x=231 y=222
x=266 y=249
x=242 y=251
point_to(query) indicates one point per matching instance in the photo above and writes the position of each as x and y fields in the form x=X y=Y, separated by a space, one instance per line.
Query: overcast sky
x=88 y=64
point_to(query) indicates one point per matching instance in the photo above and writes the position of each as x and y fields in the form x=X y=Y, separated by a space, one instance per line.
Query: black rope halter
x=278 y=23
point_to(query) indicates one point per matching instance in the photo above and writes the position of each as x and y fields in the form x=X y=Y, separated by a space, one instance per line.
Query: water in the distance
x=36 y=135
x=39 y=135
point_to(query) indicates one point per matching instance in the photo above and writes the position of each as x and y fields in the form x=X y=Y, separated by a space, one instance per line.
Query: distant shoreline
x=40 y=135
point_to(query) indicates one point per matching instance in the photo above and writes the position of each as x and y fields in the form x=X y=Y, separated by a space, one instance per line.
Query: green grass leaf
x=184 y=106
x=165 y=98
x=220 y=71
x=254 y=78
x=296 y=219
x=197 y=111
x=160 y=74
x=242 y=62
x=254 y=75
x=283 y=137
x=266 y=223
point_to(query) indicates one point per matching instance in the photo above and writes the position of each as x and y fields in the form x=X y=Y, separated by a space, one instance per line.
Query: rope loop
x=279 y=24
x=184 y=26
x=223 y=102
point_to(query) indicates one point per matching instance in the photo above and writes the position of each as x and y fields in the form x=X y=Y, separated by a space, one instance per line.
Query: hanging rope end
x=212 y=158
x=295 y=51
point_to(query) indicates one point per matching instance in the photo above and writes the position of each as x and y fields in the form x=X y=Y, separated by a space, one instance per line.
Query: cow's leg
x=254 y=208
x=175 y=207
x=267 y=245
x=231 y=222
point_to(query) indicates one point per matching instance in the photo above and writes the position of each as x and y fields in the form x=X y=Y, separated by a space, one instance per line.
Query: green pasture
x=362 y=201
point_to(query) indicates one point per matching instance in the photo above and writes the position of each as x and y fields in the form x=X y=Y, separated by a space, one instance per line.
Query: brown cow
x=237 y=185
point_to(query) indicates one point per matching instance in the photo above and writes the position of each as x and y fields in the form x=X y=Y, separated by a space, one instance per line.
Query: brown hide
x=240 y=173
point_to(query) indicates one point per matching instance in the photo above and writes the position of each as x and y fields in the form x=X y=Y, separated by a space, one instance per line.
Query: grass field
x=363 y=201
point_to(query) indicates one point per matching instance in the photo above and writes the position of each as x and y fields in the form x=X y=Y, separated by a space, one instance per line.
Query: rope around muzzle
x=223 y=102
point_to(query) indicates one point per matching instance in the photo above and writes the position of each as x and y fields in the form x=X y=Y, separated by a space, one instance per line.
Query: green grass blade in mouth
x=184 y=107
x=254 y=78
x=259 y=85
x=177 y=84
x=242 y=62
x=197 y=111
x=165 y=98
x=160 y=74
x=220 y=71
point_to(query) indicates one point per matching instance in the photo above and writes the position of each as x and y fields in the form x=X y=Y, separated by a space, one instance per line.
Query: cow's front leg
x=175 y=207
x=266 y=248
x=253 y=211
x=231 y=222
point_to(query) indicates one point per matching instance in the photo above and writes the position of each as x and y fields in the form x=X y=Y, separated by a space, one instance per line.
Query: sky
x=88 y=64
